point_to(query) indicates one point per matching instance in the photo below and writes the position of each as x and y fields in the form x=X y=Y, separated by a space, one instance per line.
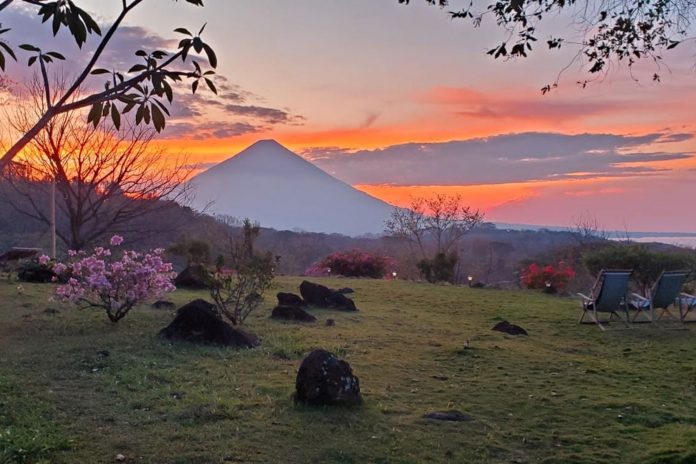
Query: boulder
x=323 y=379
x=323 y=297
x=197 y=322
x=510 y=329
x=194 y=277
x=341 y=302
x=162 y=304
x=36 y=274
x=289 y=299
x=448 y=416
x=315 y=294
x=292 y=313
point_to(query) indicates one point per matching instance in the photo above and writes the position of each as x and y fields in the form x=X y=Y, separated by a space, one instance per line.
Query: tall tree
x=622 y=31
x=105 y=177
x=147 y=87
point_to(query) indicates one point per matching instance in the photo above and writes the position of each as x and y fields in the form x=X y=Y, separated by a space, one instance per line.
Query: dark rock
x=162 y=304
x=449 y=416
x=330 y=323
x=194 y=277
x=323 y=379
x=323 y=297
x=292 y=313
x=341 y=302
x=51 y=311
x=289 y=299
x=315 y=294
x=510 y=329
x=345 y=290
x=197 y=322
x=36 y=274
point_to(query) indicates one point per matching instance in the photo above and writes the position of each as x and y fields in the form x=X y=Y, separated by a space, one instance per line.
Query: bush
x=647 y=265
x=114 y=283
x=239 y=291
x=548 y=278
x=440 y=268
x=353 y=263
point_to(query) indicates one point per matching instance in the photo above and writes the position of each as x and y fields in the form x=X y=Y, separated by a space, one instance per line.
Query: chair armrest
x=638 y=301
x=641 y=298
x=584 y=297
x=690 y=300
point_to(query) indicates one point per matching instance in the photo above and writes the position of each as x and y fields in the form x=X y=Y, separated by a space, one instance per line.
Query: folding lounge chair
x=687 y=303
x=665 y=293
x=608 y=296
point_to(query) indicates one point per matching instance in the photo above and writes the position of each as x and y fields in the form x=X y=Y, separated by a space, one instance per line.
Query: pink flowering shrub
x=353 y=263
x=114 y=281
x=549 y=278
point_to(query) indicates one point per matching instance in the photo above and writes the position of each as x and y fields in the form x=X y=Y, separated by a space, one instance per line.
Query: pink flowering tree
x=114 y=280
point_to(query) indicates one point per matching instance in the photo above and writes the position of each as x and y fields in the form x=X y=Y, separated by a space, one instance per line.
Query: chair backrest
x=667 y=288
x=612 y=290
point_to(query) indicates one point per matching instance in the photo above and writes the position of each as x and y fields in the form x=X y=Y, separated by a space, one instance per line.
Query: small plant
x=114 y=282
x=441 y=268
x=237 y=292
x=548 y=278
x=353 y=263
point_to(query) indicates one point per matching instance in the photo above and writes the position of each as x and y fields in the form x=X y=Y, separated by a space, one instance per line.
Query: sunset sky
x=403 y=101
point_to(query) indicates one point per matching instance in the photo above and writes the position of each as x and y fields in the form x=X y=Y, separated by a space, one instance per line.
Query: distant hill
x=270 y=184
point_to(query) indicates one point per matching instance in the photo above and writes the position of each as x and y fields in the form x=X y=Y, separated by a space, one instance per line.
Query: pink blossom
x=115 y=283
x=44 y=260
x=116 y=240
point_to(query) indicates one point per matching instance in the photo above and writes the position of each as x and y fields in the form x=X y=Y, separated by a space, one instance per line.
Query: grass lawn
x=75 y=388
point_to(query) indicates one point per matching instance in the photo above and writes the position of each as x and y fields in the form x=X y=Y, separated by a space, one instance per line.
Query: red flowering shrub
x=549 y=278
x=353 y=263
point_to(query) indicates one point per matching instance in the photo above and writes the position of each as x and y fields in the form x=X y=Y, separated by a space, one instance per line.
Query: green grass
x=565 y=394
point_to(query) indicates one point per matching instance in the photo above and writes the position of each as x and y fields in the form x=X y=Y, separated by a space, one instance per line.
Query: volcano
x=272 y=185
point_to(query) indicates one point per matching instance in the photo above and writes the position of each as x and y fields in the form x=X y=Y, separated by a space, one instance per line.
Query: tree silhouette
x=147 y=87
x=614 y=31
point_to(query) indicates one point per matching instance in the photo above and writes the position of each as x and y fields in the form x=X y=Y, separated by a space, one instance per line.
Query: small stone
x=448 y=416
x=330 y=323
x=510 y=329
x=163 y=304
x=120 y=458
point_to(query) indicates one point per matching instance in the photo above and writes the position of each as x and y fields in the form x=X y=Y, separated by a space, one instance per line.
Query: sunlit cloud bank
x=504 y=159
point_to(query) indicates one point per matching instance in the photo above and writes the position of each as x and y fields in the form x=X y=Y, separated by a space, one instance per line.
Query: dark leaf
x=211 y=86
x=56 y=55
x=181 y=30
x=115 y=117
x=137 y=68
x=95 y=114
x=8 y=49
x=158 y=118
x=29 y=48
x=212 y=58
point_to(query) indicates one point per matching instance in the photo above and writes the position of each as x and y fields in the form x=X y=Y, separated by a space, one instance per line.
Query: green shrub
x=441 y=268
x=646 y=264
